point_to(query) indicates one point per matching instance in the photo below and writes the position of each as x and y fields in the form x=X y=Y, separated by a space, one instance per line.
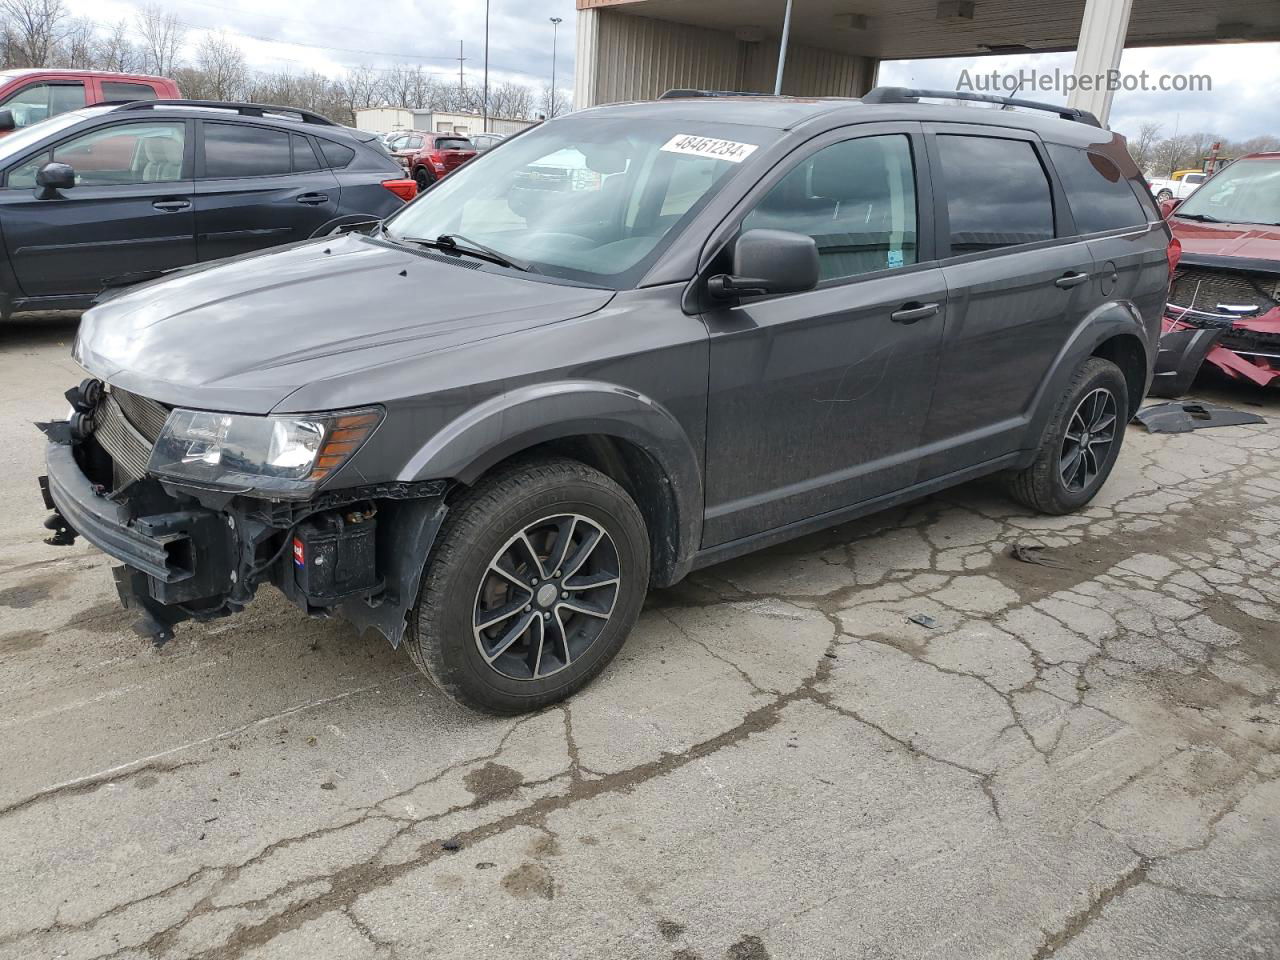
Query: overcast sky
x=342 y=33
x=1241 y=104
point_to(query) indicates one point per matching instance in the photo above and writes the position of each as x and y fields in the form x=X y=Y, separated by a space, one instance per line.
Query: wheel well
x=1127 y=352
x=637 y=472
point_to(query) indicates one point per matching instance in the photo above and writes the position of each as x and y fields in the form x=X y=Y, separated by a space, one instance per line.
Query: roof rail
x=244 y=109
x=910 y=95
x=684 y=94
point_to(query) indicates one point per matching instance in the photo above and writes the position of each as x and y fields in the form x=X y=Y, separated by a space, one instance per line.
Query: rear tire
x=423 y=178
x=555 y=606
x=1080 y=443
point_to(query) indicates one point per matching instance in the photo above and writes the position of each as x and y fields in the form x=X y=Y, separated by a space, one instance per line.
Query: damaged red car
x=1224 y=301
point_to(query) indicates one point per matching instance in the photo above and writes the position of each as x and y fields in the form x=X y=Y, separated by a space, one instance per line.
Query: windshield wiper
x=456 y=243
x=1202 y=217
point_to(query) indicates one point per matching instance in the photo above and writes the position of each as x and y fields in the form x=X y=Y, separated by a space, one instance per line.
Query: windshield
x=584 y=198
x=1248 y=191
x=18 y=141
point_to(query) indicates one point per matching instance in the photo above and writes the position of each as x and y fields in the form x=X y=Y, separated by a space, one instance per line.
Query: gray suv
x=739 y=321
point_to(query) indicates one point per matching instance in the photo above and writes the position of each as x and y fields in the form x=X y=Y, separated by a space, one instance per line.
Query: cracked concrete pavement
x=1081 y=759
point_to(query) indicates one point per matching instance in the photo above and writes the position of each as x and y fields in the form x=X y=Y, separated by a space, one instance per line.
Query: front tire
x=1080 y=444
x=532 y=586
x=1165 y=194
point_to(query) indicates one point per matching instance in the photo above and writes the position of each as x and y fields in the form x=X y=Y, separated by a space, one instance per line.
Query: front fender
x=503 y=426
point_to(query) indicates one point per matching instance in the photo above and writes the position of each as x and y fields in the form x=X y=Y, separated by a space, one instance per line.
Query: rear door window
x=237 y=150
x=119 y=90
x=40 y=101
x=997 y=193
x=304 y=158
x=1100 y=196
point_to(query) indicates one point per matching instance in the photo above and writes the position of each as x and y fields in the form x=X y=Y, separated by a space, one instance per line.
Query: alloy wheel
x=546 y=597
x=1091 y=432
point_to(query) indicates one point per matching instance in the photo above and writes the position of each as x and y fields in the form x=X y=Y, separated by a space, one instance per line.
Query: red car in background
x=29 y=96
x=429 y=156
x=1224 y=301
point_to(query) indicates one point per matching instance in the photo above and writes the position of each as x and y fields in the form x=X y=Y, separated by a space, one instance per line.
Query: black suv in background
x=108 y=195
x=751 y=318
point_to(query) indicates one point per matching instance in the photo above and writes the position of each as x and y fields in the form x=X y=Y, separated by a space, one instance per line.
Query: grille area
x=1199 y=292
x=128 y=448
x=146 y=416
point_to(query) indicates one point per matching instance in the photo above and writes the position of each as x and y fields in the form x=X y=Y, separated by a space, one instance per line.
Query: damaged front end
x=1222 y=314
x=168 y=493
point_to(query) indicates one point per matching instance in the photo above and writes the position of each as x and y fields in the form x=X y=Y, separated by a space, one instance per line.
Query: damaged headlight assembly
x=276 y=456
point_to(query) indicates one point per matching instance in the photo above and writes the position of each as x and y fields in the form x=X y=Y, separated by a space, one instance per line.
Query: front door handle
x=314 y=198
x=1069 y=280
x=911 y=312
x=169 y=206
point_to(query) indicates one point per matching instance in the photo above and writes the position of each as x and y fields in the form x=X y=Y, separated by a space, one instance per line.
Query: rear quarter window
x=1099 y=194
x=335 y=154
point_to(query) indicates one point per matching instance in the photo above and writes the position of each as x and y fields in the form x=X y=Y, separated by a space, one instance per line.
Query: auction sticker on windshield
x=690 y=143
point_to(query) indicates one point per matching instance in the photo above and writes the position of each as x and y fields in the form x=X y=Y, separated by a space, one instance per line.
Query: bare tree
x=116 y=50
x=78 y=47
x=358 y=89
x=222 y=64
x=33 y=30
x=555 y=102
x=511 y=100
x=1143 y=145
x=162 y=38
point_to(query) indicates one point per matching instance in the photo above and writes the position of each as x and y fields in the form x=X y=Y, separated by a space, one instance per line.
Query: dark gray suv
x=737 y=321
x=114 y=194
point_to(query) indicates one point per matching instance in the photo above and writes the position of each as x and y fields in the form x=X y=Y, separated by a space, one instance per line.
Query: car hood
x=1244 y=240
x=244 y=334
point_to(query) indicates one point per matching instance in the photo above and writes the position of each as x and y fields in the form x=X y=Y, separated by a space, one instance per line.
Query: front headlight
x=280 y=456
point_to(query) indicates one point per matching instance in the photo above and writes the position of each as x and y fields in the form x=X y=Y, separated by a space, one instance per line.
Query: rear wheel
x=423 y=178
x=532 y=587
x=1080 y=444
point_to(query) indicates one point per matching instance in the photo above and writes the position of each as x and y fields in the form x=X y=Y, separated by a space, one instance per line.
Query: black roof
x=789 y=113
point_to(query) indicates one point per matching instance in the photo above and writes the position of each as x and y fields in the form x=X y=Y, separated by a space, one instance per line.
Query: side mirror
x=769 y=261
x=1168 y=206
x=53 y=177
x=6 y=120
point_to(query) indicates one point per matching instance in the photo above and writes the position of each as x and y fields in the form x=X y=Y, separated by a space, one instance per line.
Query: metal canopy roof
x=912 y=29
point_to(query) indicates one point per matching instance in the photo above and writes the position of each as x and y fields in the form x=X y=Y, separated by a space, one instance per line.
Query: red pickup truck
x=29 y=96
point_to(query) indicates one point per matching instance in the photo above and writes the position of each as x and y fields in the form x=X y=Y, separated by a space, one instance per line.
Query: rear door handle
x=911 y=312
x=314 y=198
x=1068 y=280
x=170 y=206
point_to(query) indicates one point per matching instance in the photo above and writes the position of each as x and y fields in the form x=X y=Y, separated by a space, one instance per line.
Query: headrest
x=161 y=150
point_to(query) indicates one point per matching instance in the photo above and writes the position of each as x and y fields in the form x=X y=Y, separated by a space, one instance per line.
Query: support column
x=585 y=81
x=1102 y=35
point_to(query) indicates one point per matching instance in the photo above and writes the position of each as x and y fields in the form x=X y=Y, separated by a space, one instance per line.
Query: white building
x=386 y=119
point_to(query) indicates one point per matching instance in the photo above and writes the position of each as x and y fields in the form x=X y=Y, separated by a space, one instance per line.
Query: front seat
x=163 y=160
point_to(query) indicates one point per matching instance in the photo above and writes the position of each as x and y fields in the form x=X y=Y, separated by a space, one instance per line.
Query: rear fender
x=509 y=423
x=1100 y=325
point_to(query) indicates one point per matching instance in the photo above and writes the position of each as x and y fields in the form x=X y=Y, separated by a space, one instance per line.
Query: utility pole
x=485 y=125
x=462 y=87
x=555 y=29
